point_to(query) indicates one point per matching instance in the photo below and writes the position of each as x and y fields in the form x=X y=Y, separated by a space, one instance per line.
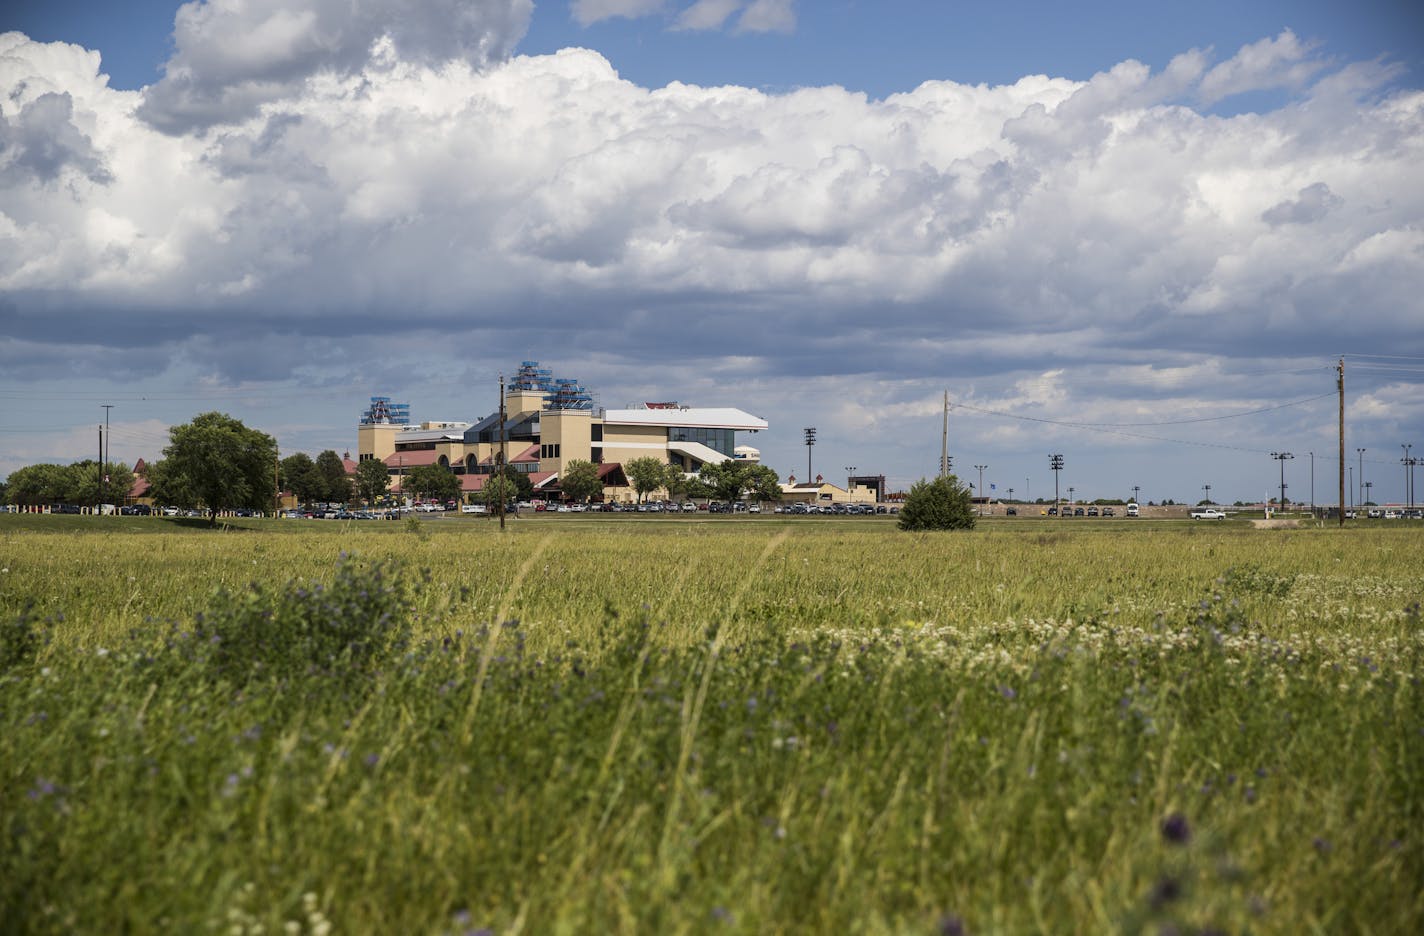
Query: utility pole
x=104 y=457
x=810 y=433
x=1056 y=463
x=1011 y=495
x=1312 y=483
x=277 y=482
x=1340 y=384
x=97 y=508
x=499 y=485
x=981 y=488
x=943 y=441
x=1282 y=457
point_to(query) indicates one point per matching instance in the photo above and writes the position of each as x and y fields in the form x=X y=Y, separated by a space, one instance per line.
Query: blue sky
x=1188 y=220
x=880 y=47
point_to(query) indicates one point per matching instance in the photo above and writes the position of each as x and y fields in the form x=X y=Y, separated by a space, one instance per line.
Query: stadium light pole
x=1207 y=488
x=1135 y=498
x=1405 y=461
x=1056 y=463
x=1282 y=457
x=1361 y=478
x=1368 y=494
x=981 y=487
x=810 y=433
x=850 y=477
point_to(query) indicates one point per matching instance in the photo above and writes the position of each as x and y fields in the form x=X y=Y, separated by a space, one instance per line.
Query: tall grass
x=707 y=729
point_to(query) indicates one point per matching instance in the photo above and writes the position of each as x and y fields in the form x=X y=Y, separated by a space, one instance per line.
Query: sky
x=1138 y=235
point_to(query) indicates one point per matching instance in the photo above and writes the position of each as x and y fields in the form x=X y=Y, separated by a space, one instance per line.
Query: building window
x=722 y=440
x=549 y=451
x=597 y=432
x=597 y=454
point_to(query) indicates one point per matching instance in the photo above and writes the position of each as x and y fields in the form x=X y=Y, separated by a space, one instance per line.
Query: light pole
x=1312 y=483
x=1070 y=493
x=1406 y=462
x=1135 y=498
x=1362 y=475
x=1351 y=470
x=1207 y=488
x=810 y=433
x=1056 y=463
x=1282 y=457
x=1368 y=495
x=981 y=488
x=1011 y=495
x=850 y=480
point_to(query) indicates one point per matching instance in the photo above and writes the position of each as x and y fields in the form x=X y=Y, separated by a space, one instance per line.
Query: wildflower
x=1175 y=829
x=951 y=925
x=1164 y=892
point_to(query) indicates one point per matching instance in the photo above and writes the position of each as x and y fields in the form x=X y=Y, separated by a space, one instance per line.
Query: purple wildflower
x=1176 y=830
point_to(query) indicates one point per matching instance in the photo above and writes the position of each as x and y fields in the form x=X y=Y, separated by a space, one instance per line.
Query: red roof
x=412 y=459
x=531 y=454
x=349 y=465
x=140 y=467
x=140 y=485
x=615 y=469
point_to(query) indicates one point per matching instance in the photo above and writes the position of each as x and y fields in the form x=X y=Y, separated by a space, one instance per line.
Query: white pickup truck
x=1208 y=513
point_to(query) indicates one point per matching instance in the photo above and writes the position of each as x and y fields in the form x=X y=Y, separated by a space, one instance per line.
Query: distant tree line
x=79 y=483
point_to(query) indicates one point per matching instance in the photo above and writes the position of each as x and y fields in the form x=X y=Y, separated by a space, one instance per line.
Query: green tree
x=432 y=482
x=941 y=504
x=83 y=485
x=373 y=480
x=331 y=477
x=580 y=480
x=220 y=462
x=297 y=474
x=732 y=480
x=36 y=485
x=676 y=482
x=500 y=487
x=517 y=485
x=646 y=474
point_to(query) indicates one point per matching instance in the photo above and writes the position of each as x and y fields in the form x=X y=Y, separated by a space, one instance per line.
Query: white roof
x=698 y=417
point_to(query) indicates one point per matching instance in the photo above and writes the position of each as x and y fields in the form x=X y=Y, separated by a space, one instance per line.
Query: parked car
x=1208 y=513
x=1011 y=512
x=1133 y=510
x=1109 y=512
x=1092 y=511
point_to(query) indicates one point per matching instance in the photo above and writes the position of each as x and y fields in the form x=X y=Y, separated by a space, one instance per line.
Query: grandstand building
x=549 y=422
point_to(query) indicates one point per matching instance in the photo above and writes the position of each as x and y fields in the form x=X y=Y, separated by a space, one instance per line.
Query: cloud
x=588 y=12
x=233 y=56
x=42 y=140
x=707 y=14
x=410 y=219
x=768 y=16
x=1281 y=62
x=1312 y=204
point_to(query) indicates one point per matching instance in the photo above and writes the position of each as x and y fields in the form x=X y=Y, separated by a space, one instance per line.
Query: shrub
x=345 y=627
x=20 y=641
x=941 y=504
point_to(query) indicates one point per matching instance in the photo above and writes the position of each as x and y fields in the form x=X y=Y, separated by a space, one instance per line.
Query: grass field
x=590 y=725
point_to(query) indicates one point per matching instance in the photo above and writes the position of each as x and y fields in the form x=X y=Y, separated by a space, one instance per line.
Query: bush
x=941 y=504
x=346 y=627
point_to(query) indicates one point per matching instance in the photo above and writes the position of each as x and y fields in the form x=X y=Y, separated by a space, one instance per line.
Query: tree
x=297 y=473
x=221 y=463
x=941 y=504
x=580 y=480
x=732 y=479
x=502 y=487
x=35 y=485
x=676 y=482
x=373 y=480
x=646 y=474
x=83 y=485
x=432 y=482
x=332 y=481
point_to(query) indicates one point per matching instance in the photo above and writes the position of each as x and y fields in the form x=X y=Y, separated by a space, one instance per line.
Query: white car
x=1208 y=513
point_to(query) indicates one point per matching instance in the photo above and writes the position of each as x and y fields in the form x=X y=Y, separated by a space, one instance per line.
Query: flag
x=993 y=486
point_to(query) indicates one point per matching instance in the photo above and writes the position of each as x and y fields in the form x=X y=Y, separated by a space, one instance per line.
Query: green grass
x=799 y=725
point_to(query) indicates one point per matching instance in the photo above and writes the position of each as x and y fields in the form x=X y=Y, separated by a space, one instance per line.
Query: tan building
x=548 y=423
x=821 y=491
